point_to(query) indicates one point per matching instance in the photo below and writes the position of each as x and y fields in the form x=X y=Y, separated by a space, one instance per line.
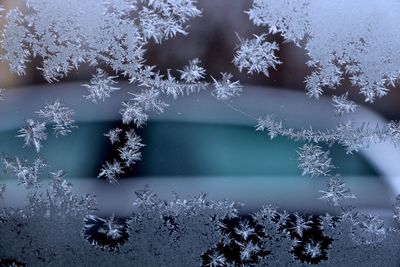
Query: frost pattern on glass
x=338 y=42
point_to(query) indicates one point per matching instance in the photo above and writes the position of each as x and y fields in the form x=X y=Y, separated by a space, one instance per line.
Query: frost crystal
x=57 y=113
x=110 y=171
x=248 y=250
x=26 y=173
x=368 y=229
x=225 y=89
x=313 y=249
x=343 y=105
x=101 y=86
x=130 y=153
x=336 y=192
x=360 y=49
x=244 y=230
x=113 y=135
x=111 y=228
x=192 y=72
x=256 y=55
x=62 y=36
x=313 y=160
x=33 y=134
x=301 y=224
x=149 y=100
x=132 y=112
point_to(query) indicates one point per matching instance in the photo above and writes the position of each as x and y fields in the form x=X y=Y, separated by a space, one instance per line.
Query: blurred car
x=200 y=144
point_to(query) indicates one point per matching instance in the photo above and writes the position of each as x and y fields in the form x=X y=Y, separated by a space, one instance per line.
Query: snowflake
x=130 y=153
x=244 y=230
x=336 y=192
x=106 y=233
x=132 y=112
x=192 y=72
x=149 y=100
x=111 y=228
x=110 y=171
x=313 y=160
x=33 y=134
x=343 y=105
x=313 y=249
x=60 y=115
x=248 y=250
x=224 y=88
x=256 y=55
x=301 y=225
x=26 y=173
x=216 y=260
x=101 y=86
x=268 y=124
x=113 y=135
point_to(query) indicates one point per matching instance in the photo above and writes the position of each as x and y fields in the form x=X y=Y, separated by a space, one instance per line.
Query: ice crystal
x=149 y=100
x=313 y=249
x=60 y=115
x=368 y=229
x=314 y=161
x=26 y=173
x=225 y=89
x=360 y=50
x=131 y=111
x=336 y=192
x=256 y=55
x=343 y=105
x=107 y=233
x=34 y=134
x=301 y=225
x=101 y=86
x=353 y=138
x=248 y=250
x=113 y=135
x=244 y=230
x=110 y=171
x=63 y=35
x=192 y=72
x=130 y=152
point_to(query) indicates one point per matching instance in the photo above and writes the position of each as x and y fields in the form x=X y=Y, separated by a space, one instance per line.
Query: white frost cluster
x=130 y=152
x=338 y=41
x=110 y=171
x=224 y=88
x=314 y=161
x=33 y=134
x=343 y=105
x=336 y=192
x=27 y=173
x=113 y=135
x=101 y=86
x=256 y=55
x=192 y=72
x=60 y=115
